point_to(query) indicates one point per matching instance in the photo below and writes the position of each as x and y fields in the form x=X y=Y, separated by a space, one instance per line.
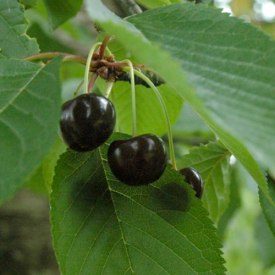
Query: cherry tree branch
x=130 y=7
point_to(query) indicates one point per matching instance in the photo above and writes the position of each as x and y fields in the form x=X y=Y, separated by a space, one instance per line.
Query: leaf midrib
x=12 y=29
x=215 y=166
x=22 y=90
x=119 y=222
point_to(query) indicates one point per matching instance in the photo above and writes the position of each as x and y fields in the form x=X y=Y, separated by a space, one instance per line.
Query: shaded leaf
x=102 y=226
x=28 y=3
x=265 y=242
x=212 y=162
x=36 y=182
x=235 y=201
x=62 y=10
x=190 y=124
x=267 y=207
x=13 y=39
x=47 y=42
x=29 y=114
x=50 y=162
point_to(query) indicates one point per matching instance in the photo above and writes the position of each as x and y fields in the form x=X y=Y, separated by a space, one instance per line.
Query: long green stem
x=133 y=89
x=92 y=82
x=88 y=64
x=109 y=87
x=161 y=101
x=104 y=46
x=78 y=89
x=117 y=122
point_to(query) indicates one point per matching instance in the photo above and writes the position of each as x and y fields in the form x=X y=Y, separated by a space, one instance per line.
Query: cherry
x=87 y=121
x=193 y=177
x=138 y=161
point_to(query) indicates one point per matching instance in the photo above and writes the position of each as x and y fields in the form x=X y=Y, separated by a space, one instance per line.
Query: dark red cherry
x=138 y=161
x=193 y=177
x=87 y=121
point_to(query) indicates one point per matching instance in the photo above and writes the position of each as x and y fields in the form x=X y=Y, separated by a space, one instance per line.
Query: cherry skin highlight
x=193 y=177
x=87 y=121
x=138 y=161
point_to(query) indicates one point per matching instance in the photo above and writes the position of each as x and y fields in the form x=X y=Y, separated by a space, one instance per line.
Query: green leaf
x=183 y=19
x=28 y=3
x=36 y=182
x=235 y=200
x=13 y=39
x=190 y=124
x=267 y=207
x=50 y=162
x=228 y=62
x=102 y=226
x=29 y=115
x=265 y=242
x=62 y=10
x=47 y=42
x=212 y=162
x=152 y=4
x=150 y=118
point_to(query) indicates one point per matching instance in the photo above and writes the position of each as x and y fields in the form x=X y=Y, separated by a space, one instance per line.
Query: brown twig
x=130 y=7
x=51 y=55
x=119 y=64
x=103 y=46
x=92 y=82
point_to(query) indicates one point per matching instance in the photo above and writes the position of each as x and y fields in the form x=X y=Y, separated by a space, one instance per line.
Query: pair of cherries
x=89 y=120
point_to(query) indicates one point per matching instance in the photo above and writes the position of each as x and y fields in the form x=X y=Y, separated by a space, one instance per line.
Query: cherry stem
x=109 y=88
x=78 y=88
x=133 y=89
x=51 y=55
x=166 y=115
x=104 y=47
x=92 y=82
x=117 y=122
x=88 y=64
x=120 y=64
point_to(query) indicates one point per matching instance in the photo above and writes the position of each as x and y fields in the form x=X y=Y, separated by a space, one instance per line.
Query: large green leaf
x=13 y=39
x=268 y=208
x=265 y=242
x=231 y=64
x=181 y=17
x=62 y=10
x=212 y=162
x=150 y=118
x=190 y=124
x=102 y=226
x=236 y=183
x=29 y=114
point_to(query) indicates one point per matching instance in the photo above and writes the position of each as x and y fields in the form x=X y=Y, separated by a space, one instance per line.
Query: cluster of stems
x=126 y=65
